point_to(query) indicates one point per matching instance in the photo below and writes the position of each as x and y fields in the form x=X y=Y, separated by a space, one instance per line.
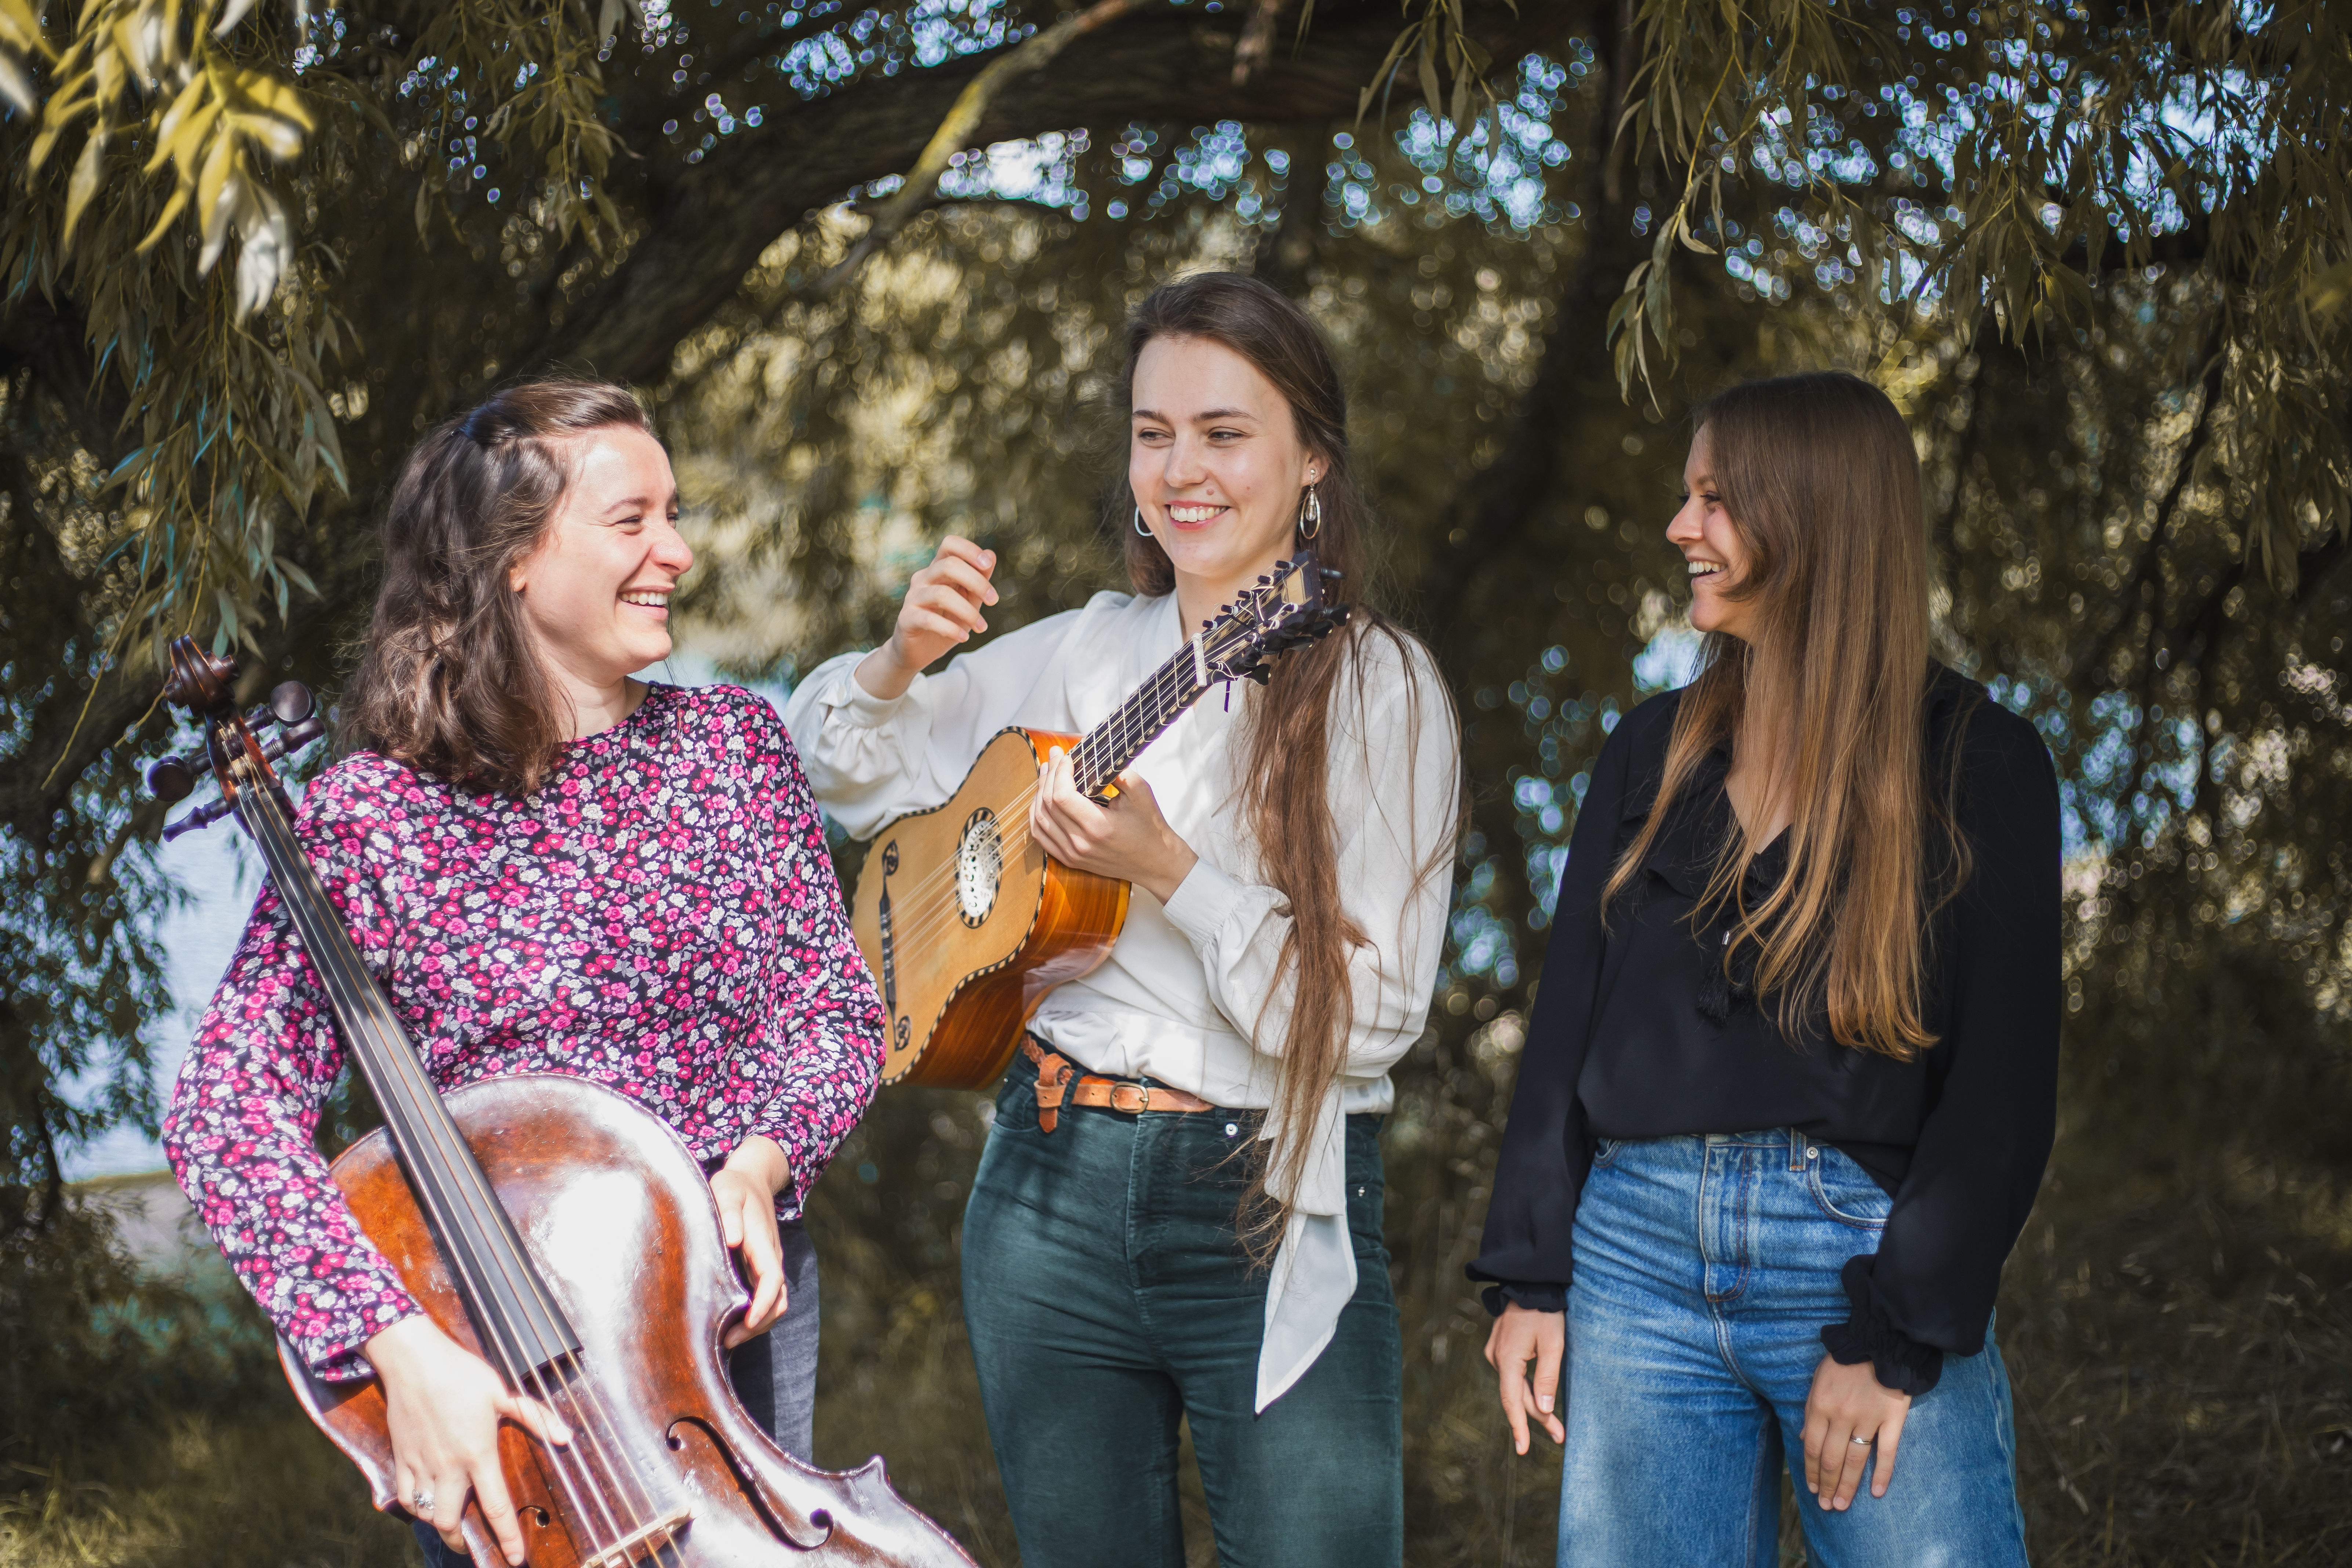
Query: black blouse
x=1636 y=1034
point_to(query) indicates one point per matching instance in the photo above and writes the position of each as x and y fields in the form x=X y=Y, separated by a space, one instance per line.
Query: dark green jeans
x=1107 y=1297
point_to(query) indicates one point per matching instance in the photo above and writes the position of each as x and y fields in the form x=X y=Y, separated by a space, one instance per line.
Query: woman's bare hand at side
x=1849 y=1413
x=1519 y=1336
x=745 y=1190
x=941 y=609
x=444 y=1404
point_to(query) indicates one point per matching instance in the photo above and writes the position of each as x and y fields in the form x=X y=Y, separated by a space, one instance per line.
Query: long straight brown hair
x=1819 y=475
x=450 y=683
x=1286 y=776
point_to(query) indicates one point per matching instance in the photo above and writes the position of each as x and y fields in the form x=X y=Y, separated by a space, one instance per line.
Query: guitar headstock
x=1284 y=609
x=234 y=755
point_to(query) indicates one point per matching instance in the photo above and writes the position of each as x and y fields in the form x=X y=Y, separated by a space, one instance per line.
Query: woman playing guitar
x=1212 y=1254
x=549 y=867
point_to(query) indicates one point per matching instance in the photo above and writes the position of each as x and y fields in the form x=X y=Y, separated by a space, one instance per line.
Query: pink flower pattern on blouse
x=662 y=918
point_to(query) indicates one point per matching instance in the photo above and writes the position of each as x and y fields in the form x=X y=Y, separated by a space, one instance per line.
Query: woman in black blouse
x=1790 y=1082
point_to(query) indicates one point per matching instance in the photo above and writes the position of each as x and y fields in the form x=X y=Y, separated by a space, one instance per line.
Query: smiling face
x=1217 y=465
x=595 y=588
x=1711 y=542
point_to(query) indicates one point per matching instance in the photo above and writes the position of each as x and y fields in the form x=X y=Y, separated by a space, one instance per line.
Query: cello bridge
x=624 y=1552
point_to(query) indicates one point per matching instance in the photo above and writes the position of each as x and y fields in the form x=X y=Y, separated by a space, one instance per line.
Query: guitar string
x=936 y=913
x=933 y=910
x=1171 y=680
x=410 y=1085
x=1127 y=728
x=1150 y=685
x=1214 y=641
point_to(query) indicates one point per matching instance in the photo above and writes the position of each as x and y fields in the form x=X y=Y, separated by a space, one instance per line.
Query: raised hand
x=941 y=609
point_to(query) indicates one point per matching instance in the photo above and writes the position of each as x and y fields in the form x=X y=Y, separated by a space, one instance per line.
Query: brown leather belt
x=1060 y=1084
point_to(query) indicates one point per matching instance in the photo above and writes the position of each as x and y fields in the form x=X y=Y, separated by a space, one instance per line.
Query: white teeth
x=1193 y=513
x=647 y=598
x=1703 y=568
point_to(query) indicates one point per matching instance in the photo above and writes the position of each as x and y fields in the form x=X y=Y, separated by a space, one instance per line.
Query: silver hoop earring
x=1310 y=516
x=1140 y=531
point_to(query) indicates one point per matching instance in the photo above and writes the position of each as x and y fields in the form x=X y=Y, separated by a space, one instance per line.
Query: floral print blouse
x=662 y=918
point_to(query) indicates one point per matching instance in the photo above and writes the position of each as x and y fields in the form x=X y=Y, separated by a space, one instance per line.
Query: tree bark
x=708 y=223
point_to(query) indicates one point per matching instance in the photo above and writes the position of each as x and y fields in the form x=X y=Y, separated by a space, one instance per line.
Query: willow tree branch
x=955 y=132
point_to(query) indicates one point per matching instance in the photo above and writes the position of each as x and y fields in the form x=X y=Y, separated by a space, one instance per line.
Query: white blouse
x=1189 y=996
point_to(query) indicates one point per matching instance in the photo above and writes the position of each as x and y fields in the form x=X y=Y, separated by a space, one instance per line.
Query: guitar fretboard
x=1142 y=718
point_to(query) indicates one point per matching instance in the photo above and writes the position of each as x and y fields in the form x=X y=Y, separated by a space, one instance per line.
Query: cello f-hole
x=822 y=1519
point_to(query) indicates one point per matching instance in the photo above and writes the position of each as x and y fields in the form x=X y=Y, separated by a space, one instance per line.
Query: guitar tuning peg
x=1265 y=579
x=1331 y=574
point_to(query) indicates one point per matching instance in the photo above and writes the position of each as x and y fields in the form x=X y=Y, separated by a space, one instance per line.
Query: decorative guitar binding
x=967 y=923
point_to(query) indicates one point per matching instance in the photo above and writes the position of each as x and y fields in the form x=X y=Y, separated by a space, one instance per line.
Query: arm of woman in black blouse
x=1928 y=1289
x=1541 y=1169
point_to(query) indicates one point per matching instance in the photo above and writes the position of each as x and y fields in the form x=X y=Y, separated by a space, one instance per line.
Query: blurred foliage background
x=869 y=265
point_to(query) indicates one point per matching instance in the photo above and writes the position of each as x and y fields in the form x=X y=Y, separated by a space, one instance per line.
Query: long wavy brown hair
x=449 y=682
x=1818 y=474
x=1286 y=776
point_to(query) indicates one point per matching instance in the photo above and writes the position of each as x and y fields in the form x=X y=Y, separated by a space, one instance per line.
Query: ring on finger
x=1859 y=1441
x=422 y=1501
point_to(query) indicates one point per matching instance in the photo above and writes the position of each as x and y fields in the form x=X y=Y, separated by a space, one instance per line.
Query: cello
x=555 y=1228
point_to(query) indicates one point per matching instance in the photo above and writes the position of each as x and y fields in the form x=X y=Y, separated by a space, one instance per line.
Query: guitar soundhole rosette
x=978 y=867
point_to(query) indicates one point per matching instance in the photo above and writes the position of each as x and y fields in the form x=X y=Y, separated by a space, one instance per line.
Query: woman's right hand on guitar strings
x=941 y=610
x=444 y=1404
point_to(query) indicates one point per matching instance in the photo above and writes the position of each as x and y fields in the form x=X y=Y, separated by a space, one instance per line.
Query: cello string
x=406 y=1081
x=398 y=1093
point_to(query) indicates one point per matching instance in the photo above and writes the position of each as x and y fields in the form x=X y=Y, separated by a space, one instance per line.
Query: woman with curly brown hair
x=549 y=866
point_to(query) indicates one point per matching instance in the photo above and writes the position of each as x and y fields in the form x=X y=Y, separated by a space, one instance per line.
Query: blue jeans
x=1109 y=1298
x=1705 y=1269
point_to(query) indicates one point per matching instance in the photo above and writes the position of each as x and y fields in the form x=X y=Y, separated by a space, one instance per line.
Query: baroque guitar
x=967 y=923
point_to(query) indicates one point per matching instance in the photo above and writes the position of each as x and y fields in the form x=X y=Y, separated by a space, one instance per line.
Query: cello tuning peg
x=169 y=779
x=290 y=702
x=201 y=817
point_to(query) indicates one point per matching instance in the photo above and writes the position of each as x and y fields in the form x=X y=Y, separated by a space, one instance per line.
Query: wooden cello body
x=566 y=1235
x=621 y=1218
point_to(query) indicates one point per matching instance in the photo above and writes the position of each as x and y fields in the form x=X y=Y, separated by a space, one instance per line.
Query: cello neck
x=515 y=1315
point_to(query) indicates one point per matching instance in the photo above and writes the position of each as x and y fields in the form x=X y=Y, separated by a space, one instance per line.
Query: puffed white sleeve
x=1395 y=789
x=870 y=760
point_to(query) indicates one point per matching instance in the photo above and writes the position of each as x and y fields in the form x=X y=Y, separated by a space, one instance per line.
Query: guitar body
x=620 y=1220
x=967 y=924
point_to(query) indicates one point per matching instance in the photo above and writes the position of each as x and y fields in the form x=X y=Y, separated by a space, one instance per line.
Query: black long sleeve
x=1632 y=1035
x=1546 y=1149
x=1980 y=1155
